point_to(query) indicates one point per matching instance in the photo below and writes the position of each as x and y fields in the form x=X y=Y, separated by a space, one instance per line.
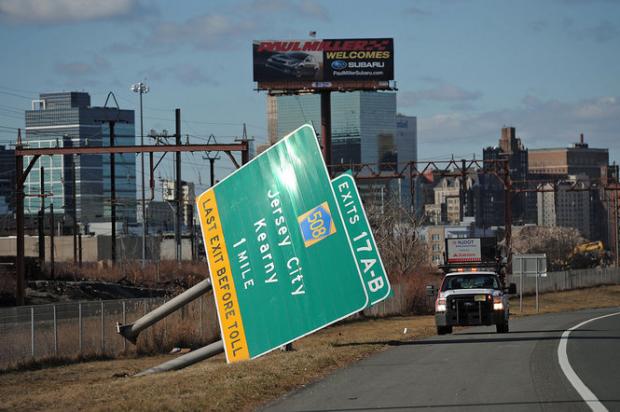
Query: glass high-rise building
x=67 y=120
x=365 y=129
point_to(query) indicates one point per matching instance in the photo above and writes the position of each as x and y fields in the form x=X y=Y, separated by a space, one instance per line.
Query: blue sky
x=465 y=68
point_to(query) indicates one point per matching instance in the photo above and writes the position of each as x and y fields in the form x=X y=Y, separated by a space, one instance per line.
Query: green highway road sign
x=360 y=234
x=281 y=263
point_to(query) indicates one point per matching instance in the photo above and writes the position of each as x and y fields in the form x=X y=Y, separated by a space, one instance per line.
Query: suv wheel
x=502 y=327
x=443 y=330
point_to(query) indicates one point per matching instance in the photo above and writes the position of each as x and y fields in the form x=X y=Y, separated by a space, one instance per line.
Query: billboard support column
x=326 y=127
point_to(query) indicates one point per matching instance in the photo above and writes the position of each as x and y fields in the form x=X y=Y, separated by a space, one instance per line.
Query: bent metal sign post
x=287 y=254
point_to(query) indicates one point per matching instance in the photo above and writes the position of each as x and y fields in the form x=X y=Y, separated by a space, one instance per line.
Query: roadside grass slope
x=213 y=385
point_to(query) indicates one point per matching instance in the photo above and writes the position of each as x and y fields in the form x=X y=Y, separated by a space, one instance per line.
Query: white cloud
x=304 y=8
x=82 y=68
x=208 y=31
x=441 y=93
x=58 y=11
x=541 y=123
x=416 y=11
x=192 y=75
x=311 y=8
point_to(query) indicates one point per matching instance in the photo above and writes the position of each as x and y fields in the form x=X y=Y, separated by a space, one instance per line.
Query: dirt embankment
x=102 y=281
x=50 y=291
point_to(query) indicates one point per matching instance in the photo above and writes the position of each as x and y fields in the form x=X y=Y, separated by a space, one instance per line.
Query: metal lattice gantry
x=22 y=151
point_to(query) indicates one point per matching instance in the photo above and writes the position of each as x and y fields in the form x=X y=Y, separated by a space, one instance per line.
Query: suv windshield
x=299 y=56
x=470 y=282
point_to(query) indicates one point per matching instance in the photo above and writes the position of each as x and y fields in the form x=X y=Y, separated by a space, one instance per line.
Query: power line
x=16 y=95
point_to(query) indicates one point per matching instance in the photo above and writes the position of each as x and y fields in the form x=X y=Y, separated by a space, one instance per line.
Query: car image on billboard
x=299 y=65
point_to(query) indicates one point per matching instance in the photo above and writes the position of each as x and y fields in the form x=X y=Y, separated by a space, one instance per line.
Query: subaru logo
x=339 y=64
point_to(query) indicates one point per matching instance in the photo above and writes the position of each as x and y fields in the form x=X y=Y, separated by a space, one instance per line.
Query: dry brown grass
x=210 y=385
x=154 y=274
x=213 y=385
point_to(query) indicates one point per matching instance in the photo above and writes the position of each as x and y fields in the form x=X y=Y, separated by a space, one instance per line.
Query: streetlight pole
x=142 y=88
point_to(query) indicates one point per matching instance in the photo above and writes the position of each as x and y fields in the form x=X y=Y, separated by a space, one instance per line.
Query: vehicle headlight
x=440 y=305
x=497 y=303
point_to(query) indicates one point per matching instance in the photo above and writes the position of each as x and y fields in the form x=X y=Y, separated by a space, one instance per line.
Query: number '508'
x=317 y=224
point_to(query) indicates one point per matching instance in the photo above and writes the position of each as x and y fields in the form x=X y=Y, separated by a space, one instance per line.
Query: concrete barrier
x=98 y=248
x=570 y=279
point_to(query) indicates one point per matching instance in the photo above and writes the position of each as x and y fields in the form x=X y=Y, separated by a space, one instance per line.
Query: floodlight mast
x=142 y=88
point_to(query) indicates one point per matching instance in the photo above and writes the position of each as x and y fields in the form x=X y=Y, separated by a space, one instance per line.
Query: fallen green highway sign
x=281 y=263
x=360 y=234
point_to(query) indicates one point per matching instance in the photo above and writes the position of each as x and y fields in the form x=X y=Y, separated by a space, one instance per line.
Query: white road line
x=585 y=393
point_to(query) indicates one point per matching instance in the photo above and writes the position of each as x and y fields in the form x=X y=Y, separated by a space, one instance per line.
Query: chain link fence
x=86 y=329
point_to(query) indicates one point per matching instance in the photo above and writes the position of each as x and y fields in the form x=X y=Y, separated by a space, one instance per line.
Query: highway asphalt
x=477 y=369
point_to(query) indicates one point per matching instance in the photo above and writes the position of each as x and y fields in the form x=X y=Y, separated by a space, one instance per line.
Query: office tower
x=365 y=129
x=67 y=120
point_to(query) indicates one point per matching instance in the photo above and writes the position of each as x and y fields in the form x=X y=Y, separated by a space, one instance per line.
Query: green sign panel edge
x=366 y=227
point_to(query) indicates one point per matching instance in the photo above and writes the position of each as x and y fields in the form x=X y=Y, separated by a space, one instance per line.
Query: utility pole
x=192 y=232
x=212 y=159
x=19 y=221
x=112 y=196
x=42 y=218
x=178 y=195
x=508 y=216
x=52 y=229
x=74 y=196
x=212 y=170
x=80 y=249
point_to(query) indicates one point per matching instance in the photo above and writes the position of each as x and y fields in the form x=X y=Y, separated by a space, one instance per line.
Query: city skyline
x=464 y=69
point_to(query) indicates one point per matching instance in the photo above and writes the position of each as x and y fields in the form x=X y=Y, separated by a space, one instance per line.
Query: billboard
x=324 y=60
x=463 y=250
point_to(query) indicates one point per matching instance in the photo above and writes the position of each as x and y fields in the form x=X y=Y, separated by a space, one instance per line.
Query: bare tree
x=557 y=242
x=396 y=231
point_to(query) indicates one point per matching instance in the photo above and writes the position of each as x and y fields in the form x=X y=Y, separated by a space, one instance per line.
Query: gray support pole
x=55 y=330
x=32 y=330
x=326 y=127
x=187 y=359
x=132 y=330
x=143 y=206
x=80 y=326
